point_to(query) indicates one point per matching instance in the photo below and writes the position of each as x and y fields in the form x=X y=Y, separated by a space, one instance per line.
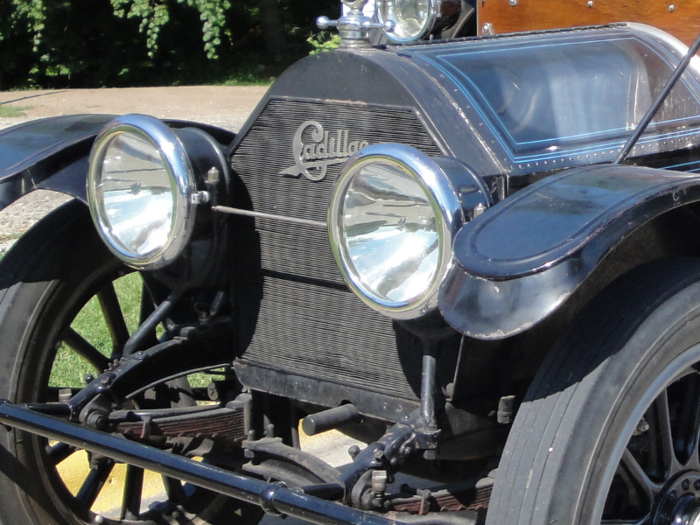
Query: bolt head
x=487 y=29
x=97 y=421
x=200 y=197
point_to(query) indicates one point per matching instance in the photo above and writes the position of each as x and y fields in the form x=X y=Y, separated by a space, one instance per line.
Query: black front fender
x=53 y=154
x=47 y=154
x=519 y=261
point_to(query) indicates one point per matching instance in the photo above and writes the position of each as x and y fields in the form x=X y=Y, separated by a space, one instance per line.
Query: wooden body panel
x=681 y=18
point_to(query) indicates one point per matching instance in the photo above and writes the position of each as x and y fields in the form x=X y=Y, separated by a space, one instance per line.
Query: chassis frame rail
x=274 y=498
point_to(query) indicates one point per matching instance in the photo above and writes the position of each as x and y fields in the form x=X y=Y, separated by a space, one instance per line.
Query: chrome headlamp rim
x=426 y=27
x=445 y=205
x=182 y=181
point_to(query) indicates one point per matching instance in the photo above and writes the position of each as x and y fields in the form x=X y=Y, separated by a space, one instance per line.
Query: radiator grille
x=294 y=313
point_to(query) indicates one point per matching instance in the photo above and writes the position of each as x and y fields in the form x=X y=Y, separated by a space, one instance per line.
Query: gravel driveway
x=227 y=107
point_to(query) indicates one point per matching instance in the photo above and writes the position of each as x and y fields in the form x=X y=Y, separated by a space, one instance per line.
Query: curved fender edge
x=520 y=260
x=53 y=153
x=36 y=151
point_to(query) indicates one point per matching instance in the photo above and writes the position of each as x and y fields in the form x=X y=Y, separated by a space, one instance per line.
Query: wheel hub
x=680 y=501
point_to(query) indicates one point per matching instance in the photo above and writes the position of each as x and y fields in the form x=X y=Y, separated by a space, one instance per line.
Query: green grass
x=12 y=111
x=69 y=369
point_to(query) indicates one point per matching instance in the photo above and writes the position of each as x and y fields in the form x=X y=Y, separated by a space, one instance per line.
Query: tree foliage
x=94 y=43
x=154 y=15
x=33 y=14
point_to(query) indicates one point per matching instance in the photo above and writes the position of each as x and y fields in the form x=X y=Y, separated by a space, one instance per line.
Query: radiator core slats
x=299 y=251
x=360 y=351
x=293 y=311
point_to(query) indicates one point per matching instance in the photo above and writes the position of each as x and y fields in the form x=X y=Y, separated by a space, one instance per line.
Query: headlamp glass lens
x=136 y=195
x=413 y=18
x=390 y=233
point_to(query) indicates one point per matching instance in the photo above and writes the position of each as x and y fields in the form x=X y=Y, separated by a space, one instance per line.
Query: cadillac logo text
x=315 y=149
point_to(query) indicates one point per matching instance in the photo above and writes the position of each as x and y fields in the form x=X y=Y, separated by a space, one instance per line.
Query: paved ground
x=227 y=107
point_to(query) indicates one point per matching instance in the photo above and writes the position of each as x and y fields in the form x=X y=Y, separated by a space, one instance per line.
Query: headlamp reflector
x=395 y=253
x=391 y=221
x=139 y=183
x=136 y=194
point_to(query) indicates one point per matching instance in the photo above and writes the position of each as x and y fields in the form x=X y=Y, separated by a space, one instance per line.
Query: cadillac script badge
x=315 y=149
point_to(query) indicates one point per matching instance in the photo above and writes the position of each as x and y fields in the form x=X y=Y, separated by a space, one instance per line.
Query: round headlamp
x=391 y=221
x=414 y=18
x=140 y=183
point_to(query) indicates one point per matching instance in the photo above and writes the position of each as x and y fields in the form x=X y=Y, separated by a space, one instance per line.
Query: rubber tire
x=44 y=280
x=591 y=392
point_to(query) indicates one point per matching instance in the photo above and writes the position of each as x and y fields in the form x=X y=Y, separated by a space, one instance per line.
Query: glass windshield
x=543 y=94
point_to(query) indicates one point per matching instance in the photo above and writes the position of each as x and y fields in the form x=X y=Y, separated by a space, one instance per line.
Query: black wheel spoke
x=637 y=480
x=662 y=458
x=133 y=489
x=114 y=318
x=56 y=322
x=94 y=482
x=60 y=452
x=146 y=309
x=174 y=490
x=688 y=419
x=85 y=350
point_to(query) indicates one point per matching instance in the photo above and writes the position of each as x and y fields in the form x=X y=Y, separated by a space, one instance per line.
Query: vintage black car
x=479 y=257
